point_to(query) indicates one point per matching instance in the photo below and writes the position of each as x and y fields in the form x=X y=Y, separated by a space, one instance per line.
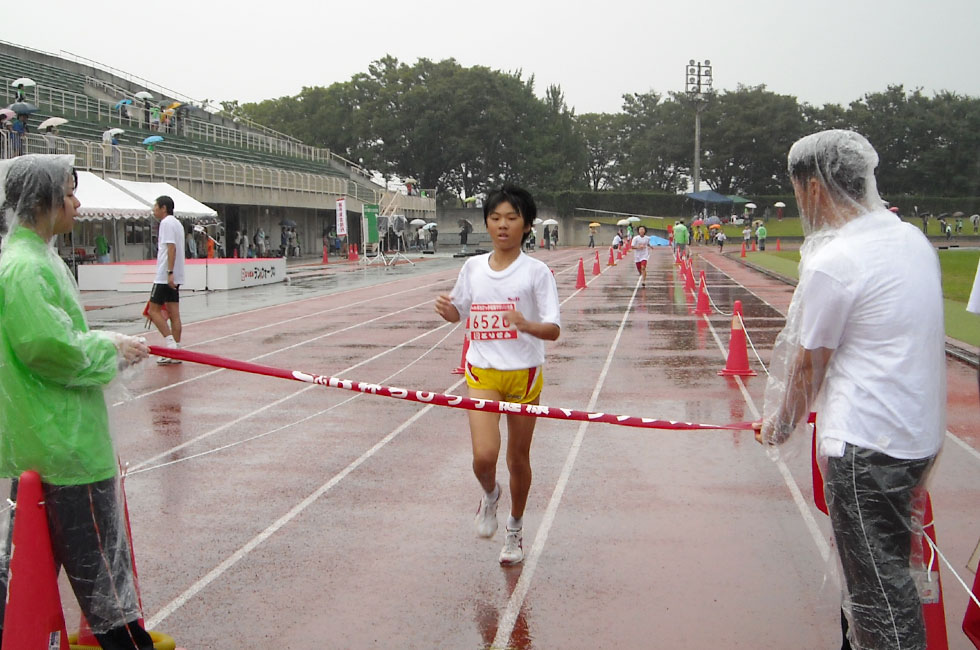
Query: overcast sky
x=827 y=51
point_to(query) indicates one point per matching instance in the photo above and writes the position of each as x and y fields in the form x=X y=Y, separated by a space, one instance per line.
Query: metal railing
x=139 y=164
x=61 y=101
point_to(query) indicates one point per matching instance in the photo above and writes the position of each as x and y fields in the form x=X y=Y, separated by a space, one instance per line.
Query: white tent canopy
x=185 y=206
x=102 y=200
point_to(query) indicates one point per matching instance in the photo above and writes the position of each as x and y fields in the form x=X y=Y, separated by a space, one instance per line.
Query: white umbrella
x=52 y=121
x=23 y=81
x=143 y=95
x=622 y=222
x=417 y=222
x=116 y=131
x=549 y=222
x=779 y=204
x=750 y=206
x=633 y=219
x=430 y=225
x=537 y=220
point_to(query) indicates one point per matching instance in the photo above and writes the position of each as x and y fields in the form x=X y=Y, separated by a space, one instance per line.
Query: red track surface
x=296 y=516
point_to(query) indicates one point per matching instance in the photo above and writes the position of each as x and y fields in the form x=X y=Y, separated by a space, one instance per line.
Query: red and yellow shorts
x=519 y=386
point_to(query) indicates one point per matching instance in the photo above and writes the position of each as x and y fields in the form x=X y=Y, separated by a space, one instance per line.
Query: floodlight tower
x=697 y=76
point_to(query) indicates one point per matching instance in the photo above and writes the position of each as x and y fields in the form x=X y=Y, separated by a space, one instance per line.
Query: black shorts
x=162 y=293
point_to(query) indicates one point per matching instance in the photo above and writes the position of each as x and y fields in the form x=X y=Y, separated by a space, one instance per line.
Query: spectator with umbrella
x=465 y=228
x=20 y=84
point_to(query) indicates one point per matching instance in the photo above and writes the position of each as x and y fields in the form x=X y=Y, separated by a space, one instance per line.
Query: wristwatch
x=170 y=272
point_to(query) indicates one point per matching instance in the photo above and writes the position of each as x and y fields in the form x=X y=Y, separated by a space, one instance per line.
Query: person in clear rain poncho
x=863 y=347
x=53 y=416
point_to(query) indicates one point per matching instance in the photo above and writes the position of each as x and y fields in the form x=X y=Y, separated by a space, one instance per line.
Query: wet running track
x=274 y=514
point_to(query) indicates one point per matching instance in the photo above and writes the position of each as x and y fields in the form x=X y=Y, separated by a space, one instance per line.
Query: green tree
x=745 y=135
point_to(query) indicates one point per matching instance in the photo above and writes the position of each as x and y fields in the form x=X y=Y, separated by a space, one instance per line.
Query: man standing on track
x=641 y=252
x=169 y=277
x=864 y=346
x=511 y=301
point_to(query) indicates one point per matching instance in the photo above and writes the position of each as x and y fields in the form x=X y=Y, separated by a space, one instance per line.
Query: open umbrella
x=697 y=222
x=713 y=221
x=465 y=225
x=153 y=139
x=116 y=131
x=537 y=220
x=52 y=121
x=417 y=222
x=893 y=209
x=750 y=206
x=549 y=222
x=779 y=204
x=633 y=219
x=7 y=114
x=958 y=214
x=23 y=108
x=122 y=102
x=289 y=223
x=143 y=95
x=594 y=224
x=430 y=226
x=622 y=222
x=469 y=199
x=23 y=81
x=174 y=105
x=714 y=225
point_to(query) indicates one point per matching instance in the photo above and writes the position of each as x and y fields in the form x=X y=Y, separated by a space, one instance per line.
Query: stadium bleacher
x=81 y=126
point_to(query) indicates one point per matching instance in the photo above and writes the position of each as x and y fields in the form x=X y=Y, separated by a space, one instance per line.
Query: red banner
x=439 y=399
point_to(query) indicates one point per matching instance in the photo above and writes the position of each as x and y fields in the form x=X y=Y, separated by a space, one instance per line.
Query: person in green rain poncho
x=53 y=415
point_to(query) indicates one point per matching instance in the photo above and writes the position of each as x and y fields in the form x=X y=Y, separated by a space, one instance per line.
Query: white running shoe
x=166 y=361
x=486 y=515
x=513 y=551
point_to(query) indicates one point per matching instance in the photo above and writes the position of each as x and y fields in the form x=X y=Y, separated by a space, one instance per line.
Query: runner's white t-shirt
x=171 y=232
x=641 y=248
x=873 y=295
x=483 y=296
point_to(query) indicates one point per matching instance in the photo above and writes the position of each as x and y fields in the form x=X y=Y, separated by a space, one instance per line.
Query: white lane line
x=794 y=489
x=505 y=626
x=242 y=418
x=277 y=351
x=142 y=468
x=238 y=555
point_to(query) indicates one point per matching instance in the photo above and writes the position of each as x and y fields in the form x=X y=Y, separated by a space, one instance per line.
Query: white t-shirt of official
x=973 y=305
x=873 y=294
x=641 y=248
x=483 y=296
x=171 y=232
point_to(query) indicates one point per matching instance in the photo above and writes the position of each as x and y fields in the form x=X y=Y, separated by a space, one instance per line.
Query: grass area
x=958 y=268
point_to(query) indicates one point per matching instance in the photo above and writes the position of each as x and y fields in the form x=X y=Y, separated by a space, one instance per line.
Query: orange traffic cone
x=738 y=352
x=580 y=278
x=743 y=248
x=612 y=257
x=461 y=370
x=778 y=247
x=753 y=246
x=596 y=269
x=34 y=618
x=687 y=270
x=677 y=257
x=325 y=258
x=704 y=306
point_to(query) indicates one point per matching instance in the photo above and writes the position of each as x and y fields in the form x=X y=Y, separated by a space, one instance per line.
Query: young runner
x=641 y=252
x=511 y=303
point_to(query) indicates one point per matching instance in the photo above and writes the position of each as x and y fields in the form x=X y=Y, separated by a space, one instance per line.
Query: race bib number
x=489 y=322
